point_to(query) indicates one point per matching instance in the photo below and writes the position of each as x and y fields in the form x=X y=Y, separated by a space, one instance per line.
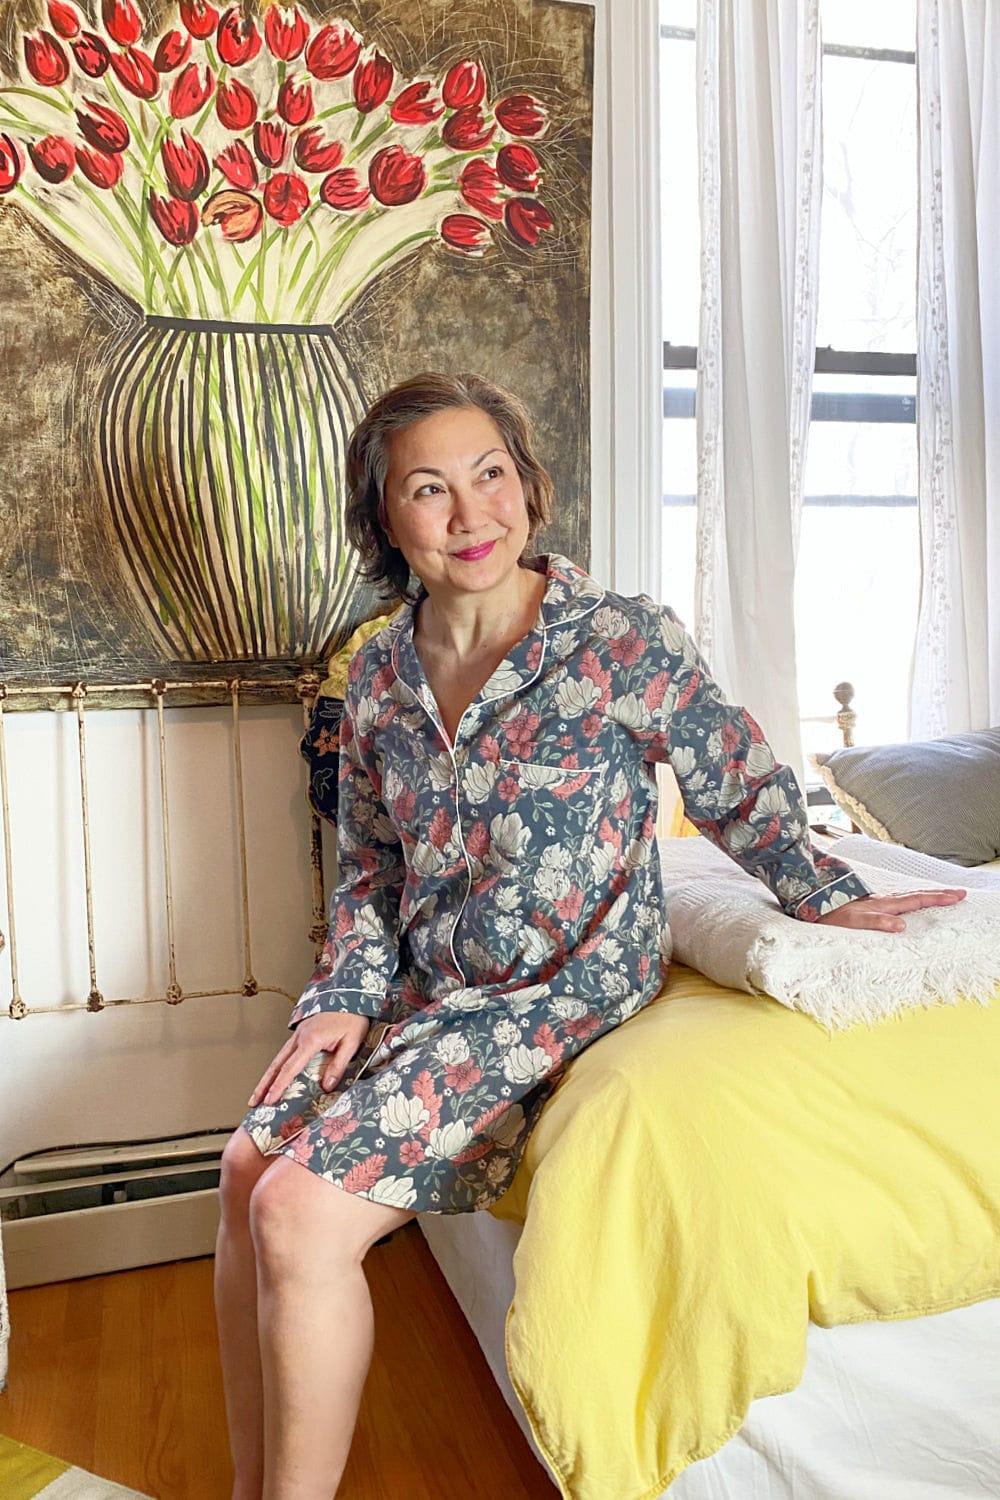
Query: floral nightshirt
x=499 y=903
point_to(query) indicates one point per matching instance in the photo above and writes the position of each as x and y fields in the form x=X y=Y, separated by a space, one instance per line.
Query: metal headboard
x=153 y=695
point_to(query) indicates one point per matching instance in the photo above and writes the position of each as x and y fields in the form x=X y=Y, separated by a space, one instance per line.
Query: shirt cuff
x=839 y=892
x=338 y=1001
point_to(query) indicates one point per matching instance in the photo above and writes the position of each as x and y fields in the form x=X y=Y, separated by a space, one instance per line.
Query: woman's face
x=452 y=485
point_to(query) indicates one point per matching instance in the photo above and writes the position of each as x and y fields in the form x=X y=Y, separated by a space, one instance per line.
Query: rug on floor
x=27 y=1474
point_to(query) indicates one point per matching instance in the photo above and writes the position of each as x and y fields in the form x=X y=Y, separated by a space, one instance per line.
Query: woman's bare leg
x=315 y=1323
x=236 y=1312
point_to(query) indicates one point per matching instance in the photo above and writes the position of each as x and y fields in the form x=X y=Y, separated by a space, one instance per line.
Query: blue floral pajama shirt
x=499 y=903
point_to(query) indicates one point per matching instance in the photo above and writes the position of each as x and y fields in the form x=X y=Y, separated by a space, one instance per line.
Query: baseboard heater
x=83 y=1210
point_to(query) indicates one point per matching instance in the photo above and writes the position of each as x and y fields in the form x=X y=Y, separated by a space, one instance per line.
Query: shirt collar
x=570 y=592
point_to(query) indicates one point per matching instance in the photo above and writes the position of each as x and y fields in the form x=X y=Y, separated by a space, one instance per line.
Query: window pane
x=868 y=244
x=858 y=570
x=681 y=280
x=863 y=457
x=678 y=13
x=856 y=606
x=859 y=23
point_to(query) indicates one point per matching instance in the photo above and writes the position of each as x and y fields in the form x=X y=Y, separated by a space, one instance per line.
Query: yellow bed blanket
x=712 y=1175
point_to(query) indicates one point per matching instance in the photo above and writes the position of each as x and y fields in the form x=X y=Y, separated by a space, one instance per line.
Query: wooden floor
x=120 y=1374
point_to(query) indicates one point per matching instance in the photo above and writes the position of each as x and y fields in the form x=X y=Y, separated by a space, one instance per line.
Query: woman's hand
x=882 y=912
x=335 y=1032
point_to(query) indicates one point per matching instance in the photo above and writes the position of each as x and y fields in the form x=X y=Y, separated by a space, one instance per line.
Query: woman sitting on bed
x=498 y=905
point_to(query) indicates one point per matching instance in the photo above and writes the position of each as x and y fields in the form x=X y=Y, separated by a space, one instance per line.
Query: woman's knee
x=295 y=1214
x=241 y=1168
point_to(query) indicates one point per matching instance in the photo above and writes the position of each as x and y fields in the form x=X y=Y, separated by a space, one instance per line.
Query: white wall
x=139 y=1072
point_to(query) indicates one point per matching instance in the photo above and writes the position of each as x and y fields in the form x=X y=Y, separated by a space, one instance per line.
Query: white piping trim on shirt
x=848 y=875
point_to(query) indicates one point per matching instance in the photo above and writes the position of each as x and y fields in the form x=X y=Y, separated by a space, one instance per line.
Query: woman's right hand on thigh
x=336 y=1032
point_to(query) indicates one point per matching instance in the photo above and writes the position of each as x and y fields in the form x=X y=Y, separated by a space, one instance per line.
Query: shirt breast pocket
x=540 y=778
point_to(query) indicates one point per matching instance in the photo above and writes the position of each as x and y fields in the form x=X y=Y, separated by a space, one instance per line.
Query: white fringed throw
x=727 y=924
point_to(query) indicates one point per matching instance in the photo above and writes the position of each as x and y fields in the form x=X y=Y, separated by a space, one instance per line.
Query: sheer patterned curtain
x=760 y=149
x=955 y=684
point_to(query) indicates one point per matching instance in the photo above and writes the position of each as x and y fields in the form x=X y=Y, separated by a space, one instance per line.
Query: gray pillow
x=940 y=796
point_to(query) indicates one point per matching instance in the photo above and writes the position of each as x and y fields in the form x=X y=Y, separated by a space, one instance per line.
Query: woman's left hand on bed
x=884 y=913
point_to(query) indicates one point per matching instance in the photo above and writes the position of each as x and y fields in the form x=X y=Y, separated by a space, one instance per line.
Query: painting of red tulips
x=245 y=194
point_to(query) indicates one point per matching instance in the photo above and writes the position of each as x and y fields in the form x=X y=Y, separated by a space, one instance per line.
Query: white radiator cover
x=62 y=1244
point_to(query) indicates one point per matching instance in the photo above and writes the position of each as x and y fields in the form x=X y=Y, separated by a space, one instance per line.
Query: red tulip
x=190 y=91
x=411 y=108
x=480 y=187
x=172 y=51
x=103 y=128
x=332 y=52
x=237 y=214
x=121 y=21
x=237 y=166
x=54 y=157
x=464 y=84
x=270 y=143
x=239 y=39
x=295 y=102
x=526 y=218
x=46 y=60
x=185 y=167
x=98 y=167
x=135 y=72
x=520 y=114
x=518 y=167
x=286 y=197
x=466 y=130
x=314 y=154
x=199 y=18
x=235 y=105
x=396 y=176
x=343 y=190
x=286 y=31
x=65 y=18
x=11 y=164
x=91 y=53
x=176 y=220
x=463 y=232
x=372 y=82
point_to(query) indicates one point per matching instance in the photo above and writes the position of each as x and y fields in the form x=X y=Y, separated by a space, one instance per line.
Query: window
x=859 y=540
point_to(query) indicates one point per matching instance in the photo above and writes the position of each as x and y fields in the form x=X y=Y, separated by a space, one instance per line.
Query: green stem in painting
x=363 y=144
x=199 y=290
x=329 y=260
x=218 y=277
x=335 y=109
x=123 y=109
x=214 y=275
x=253 y=268
x=412 y=239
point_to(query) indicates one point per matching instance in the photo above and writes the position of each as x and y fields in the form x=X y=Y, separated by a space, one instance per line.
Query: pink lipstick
x=473 y=554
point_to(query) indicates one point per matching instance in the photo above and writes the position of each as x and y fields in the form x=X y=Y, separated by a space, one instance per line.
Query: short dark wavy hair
x=368 y=465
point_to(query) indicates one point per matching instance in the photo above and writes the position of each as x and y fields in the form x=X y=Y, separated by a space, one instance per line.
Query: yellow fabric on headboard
x=335 y=683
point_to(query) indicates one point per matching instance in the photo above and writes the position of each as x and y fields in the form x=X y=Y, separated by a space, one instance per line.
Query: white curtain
x=955 y=683
x=760 y=148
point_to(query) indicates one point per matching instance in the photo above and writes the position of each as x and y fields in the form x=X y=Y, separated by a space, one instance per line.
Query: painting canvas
x=222 y=233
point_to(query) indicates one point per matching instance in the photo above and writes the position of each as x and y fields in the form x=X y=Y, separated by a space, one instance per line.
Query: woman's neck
x=477 y=623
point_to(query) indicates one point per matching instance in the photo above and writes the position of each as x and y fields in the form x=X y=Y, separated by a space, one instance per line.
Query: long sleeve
x=733 y=789
x=361 y=954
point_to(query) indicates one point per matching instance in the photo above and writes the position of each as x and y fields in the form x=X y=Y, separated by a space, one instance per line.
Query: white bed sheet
x=907 y=1410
